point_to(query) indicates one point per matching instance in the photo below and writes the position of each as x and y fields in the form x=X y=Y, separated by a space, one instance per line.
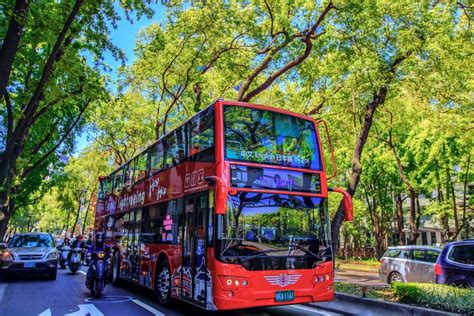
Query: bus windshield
x=262 y=136
x=274 y=231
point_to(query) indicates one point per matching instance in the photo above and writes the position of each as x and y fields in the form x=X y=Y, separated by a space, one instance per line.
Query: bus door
x=132 y=246
x=195 y=282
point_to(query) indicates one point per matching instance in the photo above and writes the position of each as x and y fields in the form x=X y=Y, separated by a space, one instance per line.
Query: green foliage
x=376 y=292
x=437 y=296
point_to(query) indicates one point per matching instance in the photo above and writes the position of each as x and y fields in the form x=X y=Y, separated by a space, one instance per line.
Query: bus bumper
x=263 y=288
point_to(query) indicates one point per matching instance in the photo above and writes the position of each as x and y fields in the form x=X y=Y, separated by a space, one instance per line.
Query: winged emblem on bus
x=283 y=279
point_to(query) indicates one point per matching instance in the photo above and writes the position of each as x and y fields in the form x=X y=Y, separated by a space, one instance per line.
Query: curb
x=355 y=305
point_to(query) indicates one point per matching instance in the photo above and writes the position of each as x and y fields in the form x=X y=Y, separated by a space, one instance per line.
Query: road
x=35 y=296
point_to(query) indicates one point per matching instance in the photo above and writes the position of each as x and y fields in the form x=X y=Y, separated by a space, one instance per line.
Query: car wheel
x=115 y=277
x=395 y=277
x=53 y=275
x=163 y=283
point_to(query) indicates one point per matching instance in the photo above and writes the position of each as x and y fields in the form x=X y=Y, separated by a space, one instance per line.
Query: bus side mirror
x=221 y=193
x=346 y=203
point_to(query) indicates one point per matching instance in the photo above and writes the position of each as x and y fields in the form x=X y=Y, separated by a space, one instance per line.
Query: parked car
x=27 y=253
x=455 y=265
x=409 y=264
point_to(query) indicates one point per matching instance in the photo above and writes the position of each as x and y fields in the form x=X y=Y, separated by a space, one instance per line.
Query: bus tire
x=163 y=283
x=115 y=275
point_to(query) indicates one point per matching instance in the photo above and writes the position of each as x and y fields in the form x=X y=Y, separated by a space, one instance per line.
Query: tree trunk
x=11 y=42
x=3 y=229
x=16 y=136
x=400 y=219
x=9 y=211
x=356 y=163
x=87 y=210
x=450 y=192
x=67 y=224
x=77 y=217
x=413 y=218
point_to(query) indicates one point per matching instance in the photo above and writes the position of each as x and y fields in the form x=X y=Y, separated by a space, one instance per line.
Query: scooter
x=63 y=256
x=88 y=258
x=75 y=260
x=99 y=271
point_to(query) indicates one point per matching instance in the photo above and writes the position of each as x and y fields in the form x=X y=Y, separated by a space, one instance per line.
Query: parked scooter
x=98 y=274
x=64 y=252
x=75 y=260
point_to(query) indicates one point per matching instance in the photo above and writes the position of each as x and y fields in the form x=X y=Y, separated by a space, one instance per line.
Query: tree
x=217 y=47
x=342 y=61
x=46 y=83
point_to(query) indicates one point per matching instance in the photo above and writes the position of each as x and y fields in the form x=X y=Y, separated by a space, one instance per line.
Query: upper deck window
x=268 y=137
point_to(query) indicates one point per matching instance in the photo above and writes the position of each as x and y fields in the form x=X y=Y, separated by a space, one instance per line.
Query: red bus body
x=188 y=241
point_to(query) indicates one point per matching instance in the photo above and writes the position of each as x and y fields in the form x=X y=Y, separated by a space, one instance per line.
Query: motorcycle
x=75 y=260
x=88 y=258
x=64 y=252
x=99 y=271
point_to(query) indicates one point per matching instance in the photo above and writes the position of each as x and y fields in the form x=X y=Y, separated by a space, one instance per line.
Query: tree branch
x=11 y=42
x=244 y=96
x=25 y=123
x=27 y=171
x=9 y=115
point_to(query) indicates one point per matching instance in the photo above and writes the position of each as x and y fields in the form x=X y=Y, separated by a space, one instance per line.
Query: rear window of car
x=31 y=241
x=462 y=254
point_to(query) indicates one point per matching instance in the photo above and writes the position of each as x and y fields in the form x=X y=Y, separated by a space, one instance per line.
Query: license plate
x=284 y=296
x=29 y=264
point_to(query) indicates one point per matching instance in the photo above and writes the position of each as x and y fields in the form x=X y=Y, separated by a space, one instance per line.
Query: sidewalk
x=358 y=277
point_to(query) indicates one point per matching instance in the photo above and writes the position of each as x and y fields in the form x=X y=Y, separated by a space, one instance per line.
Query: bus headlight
x=233 y=283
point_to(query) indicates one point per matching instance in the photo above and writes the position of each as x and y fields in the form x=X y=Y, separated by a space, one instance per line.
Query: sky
x=124 y=37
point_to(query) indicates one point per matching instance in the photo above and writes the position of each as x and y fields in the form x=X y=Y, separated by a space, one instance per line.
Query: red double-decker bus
x=227 y=211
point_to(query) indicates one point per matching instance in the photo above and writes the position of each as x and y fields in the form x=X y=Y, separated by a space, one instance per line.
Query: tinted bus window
x=109 y=184
x=269 y=137
x=175 y=148
x=140 y=167
x=156 y=154
x=201 y=136
x=128 y=171
x=118 y=179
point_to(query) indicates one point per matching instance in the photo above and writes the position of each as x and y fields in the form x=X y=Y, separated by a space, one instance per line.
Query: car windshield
x=31 y=241
x=268 y=137
x=462 y=254
x=260 y=225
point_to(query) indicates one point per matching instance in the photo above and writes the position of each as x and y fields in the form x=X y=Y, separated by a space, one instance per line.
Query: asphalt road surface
x=36 y=296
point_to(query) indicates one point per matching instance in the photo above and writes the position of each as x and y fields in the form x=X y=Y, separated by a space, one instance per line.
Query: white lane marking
x=148 y=308
x=312 y=310
x=82 y=272
x=46 y=313
x=85 y=310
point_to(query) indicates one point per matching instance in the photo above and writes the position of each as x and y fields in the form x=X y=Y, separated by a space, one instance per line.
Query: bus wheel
x=163 y=283
x=116 y=270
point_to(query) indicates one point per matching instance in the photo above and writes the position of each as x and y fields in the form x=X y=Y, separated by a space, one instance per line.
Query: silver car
x=409 y=264
x=30 y=253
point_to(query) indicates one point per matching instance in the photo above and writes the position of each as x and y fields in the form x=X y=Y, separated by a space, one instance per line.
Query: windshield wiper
x=305 y=250
x=260 y=254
